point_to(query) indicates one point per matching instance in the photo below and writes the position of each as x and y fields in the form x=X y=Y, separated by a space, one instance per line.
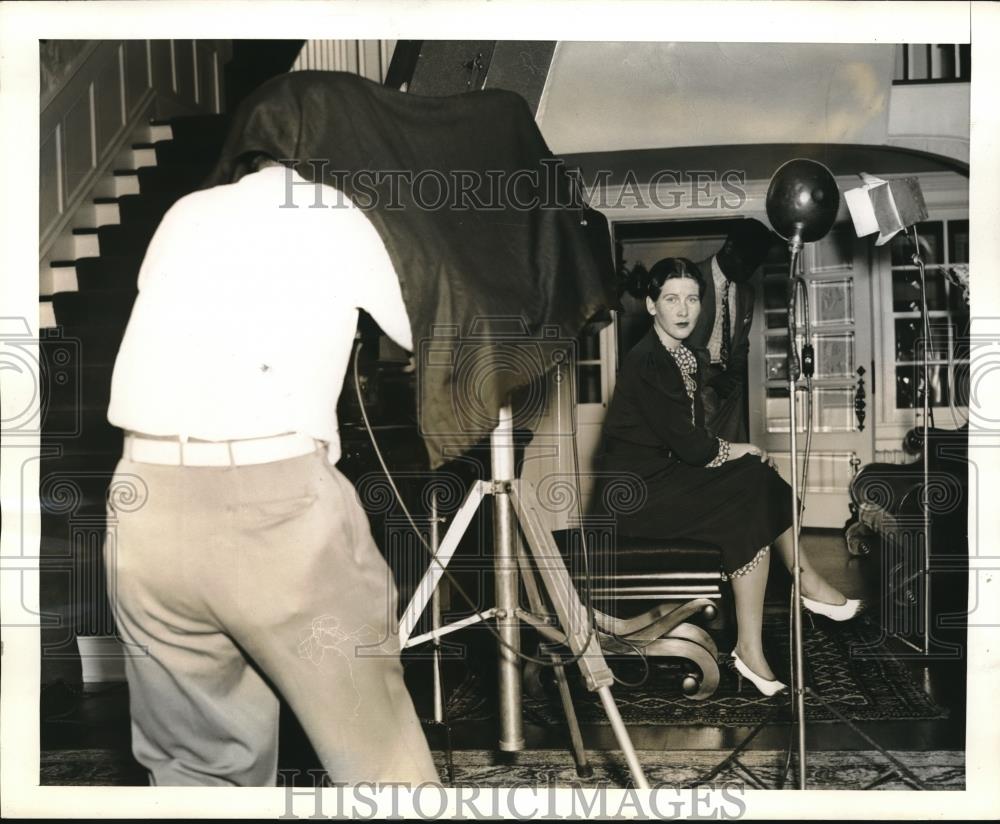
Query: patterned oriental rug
x=827 y=770
x=845 y=663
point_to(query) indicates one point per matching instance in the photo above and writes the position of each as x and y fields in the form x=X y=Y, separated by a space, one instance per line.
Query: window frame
x=945 y=204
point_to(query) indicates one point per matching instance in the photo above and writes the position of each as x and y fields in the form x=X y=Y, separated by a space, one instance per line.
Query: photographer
x=249 y=568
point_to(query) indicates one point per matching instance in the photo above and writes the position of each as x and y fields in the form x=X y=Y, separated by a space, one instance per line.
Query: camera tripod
x=515 y=504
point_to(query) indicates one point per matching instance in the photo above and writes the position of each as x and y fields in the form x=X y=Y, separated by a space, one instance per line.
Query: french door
x=840 y=414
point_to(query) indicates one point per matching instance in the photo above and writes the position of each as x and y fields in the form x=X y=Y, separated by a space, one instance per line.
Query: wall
x=98 y=94
x=57 y=61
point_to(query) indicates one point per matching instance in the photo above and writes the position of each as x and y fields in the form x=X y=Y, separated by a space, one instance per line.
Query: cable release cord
x=542 y=662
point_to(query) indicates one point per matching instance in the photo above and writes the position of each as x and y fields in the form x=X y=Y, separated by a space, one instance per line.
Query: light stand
x=802 y=204
x=919 y=261
x=516 y=504
x=888 y=207
x=795 y=248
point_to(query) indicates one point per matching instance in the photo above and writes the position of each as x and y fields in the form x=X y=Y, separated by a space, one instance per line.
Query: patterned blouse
x=685 y=360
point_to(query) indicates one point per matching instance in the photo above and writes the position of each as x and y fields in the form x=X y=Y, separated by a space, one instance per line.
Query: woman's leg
x=814 y=585
x=748 y=591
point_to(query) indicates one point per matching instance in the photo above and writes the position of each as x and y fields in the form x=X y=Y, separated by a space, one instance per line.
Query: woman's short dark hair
x=664 y=270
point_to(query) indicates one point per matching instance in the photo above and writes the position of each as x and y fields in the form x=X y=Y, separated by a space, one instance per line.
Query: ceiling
x=606 y=97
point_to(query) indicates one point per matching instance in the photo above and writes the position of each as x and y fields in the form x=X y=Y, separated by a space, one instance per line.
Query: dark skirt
x=741 y=506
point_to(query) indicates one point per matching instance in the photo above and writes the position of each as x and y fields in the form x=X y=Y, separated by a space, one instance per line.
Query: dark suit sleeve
x=666 y=409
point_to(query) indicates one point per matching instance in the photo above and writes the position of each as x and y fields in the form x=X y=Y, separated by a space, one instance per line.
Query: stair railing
x=89 y=116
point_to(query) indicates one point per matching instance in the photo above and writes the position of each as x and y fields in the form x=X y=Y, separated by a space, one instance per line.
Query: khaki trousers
x=233 y=584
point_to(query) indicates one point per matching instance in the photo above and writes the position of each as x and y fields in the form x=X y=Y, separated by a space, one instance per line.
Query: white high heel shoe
x=764 y=686
x=835 y=612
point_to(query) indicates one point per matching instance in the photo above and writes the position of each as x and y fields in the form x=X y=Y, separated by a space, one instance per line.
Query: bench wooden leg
x=665 y=616
x=677 y=647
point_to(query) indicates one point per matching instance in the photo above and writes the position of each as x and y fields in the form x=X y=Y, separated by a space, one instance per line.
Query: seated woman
x=697 y=485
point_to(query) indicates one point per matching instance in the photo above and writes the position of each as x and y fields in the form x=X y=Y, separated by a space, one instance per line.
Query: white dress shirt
x=715 y=339
x=246 y=313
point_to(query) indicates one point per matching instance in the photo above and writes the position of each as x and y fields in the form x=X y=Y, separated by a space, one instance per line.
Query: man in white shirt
x=721 y=337
x=247 y=568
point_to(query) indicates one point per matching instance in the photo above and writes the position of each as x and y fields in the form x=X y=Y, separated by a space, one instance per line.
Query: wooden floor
x=100 y=720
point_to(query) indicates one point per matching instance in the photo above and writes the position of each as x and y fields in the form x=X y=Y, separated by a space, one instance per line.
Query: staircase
x=85 y=301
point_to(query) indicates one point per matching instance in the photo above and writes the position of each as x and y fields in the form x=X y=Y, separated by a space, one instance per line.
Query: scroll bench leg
x=663 y=615
x=677 y=648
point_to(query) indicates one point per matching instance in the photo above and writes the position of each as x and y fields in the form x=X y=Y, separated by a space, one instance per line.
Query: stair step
x=145 y=207
x=58 y=276
x=107 y=272
x=199 y=128
x=156 y=131
x=106 y=211
x=128 y=239
x=86 y=243
x=46 y=315
x=180 y=179
x=141 y=155
x=98 y=212
x=167 y=160
x=92 y=273
x=126 y=182
x=175 y=179
x=180 y=152
x=94 y=307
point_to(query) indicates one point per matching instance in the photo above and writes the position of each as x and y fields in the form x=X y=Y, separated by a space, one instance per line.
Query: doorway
x=841 y=415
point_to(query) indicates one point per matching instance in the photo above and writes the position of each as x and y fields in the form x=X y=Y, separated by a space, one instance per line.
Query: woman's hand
x=738 y=450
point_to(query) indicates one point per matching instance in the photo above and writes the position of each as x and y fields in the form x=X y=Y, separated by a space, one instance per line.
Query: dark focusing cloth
x=482 y=286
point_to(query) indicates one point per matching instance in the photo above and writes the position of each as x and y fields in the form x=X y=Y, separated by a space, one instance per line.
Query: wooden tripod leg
x=574 y=619
x=583 y=768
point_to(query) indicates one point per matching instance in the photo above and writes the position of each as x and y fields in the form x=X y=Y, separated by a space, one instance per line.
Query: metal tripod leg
x=439 y=709
x=581 y=637
x=899 y=767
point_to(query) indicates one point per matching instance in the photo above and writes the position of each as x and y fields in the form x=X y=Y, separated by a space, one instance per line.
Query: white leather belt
x=174 y=452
